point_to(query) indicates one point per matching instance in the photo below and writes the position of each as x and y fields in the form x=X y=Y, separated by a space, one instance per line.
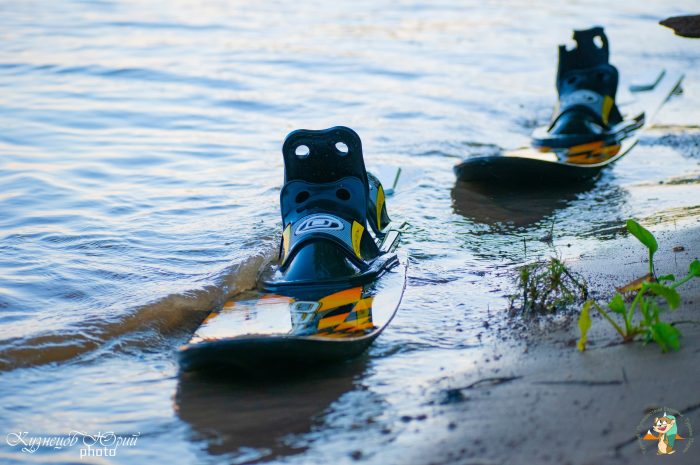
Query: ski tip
x=647 y=81
x=389 y=176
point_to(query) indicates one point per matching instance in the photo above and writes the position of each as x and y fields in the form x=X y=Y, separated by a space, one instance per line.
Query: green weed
x=643 y=315
x=547 y=286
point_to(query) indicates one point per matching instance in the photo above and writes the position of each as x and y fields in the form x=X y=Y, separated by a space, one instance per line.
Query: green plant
x=547 y=286
x=646 y=238
x=651 y=295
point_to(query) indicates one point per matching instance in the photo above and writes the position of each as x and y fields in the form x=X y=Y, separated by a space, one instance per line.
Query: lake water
x=140 y=169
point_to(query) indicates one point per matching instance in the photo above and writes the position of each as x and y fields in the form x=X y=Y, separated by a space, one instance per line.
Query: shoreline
x=536 y=399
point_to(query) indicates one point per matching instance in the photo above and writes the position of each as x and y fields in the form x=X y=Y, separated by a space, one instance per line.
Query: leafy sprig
x=643 y=315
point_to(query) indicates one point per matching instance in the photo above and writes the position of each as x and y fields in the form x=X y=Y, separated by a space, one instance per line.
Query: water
x=139 y=182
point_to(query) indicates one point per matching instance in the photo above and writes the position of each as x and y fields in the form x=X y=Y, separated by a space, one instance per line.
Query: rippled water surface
x=140 y=169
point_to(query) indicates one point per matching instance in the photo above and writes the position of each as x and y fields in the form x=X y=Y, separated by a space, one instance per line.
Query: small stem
x=610 y=320
x=645 y=313
x=685 y=322
x=682 y=281
x=632 y=334
x=575 y=281
x=630 y=313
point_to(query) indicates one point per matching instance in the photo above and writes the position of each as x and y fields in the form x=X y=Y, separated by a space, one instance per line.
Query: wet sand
x=533 y=398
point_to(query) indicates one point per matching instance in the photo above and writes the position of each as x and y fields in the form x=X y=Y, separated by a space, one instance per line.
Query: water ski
x=588 y=132
x=338 y=281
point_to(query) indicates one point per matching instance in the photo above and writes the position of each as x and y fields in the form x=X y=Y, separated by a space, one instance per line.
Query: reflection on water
x=257 y=419
x=139 y=189
x=519 y=208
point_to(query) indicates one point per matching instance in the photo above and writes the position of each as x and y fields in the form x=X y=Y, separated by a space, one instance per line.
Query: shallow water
x=139 y=183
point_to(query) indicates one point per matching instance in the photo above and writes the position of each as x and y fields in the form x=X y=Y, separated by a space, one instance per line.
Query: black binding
x=324 y=203
x=585 y=79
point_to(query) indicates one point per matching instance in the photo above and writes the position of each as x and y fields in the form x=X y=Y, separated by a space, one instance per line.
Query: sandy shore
x=534 y=398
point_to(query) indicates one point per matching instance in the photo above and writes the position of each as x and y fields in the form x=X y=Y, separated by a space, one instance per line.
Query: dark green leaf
x=617 y=304
x=666 y=336
x=655 y=310
x=694 y=268
x=644 y=309
x=667 y=277
x=584 y=324
x=644 y=236
x=668 y=294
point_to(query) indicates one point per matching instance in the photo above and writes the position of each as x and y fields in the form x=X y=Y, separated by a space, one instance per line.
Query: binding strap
x=599 y=106
x=323 y=226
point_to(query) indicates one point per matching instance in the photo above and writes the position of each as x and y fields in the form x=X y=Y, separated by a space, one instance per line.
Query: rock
x=684 y=26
